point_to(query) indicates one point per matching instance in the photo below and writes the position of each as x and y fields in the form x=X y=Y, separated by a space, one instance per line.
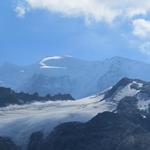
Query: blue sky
x=33 y=29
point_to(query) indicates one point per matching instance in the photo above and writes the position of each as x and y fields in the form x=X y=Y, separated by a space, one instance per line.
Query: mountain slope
x=7 y=144
x=125 y=130
x=66 y=74
x=38 y=116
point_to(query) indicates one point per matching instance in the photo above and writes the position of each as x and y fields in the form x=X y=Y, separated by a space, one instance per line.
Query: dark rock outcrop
x=35 y=141
x=7 y=144
x=8 y=96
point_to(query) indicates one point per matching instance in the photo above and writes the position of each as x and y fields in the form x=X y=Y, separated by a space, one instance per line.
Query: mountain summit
x=66 y=74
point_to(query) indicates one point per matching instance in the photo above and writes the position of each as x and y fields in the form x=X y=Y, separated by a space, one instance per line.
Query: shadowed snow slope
x=19 y=122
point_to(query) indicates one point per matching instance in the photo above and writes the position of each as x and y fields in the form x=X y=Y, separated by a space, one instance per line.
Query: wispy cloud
x=141 y=31
x=98 y=10
x=141 y=28
x=108 y=11
x=90 y=9
x=20 y=10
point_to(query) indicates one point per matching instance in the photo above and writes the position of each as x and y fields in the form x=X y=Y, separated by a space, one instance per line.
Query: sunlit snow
x=18 y=122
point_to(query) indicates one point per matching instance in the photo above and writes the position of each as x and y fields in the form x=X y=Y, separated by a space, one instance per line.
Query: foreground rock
x=127 y=129
x=7 y=144
x=123 y=124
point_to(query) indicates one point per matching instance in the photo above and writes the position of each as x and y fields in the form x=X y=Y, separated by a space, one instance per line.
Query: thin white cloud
x=90 y=9
x=98 y=10
x=20 y=10
x=141 y=28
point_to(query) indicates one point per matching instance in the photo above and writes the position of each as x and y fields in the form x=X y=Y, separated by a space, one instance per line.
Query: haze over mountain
x=66 y=74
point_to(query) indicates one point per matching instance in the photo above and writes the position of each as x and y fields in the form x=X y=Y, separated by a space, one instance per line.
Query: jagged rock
x=8 y=96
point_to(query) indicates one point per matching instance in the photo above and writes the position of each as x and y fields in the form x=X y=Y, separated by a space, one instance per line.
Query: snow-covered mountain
x=66 y=74
x=18 y=122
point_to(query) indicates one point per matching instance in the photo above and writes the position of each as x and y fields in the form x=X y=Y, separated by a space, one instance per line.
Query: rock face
x=123 y=122
x=35 y=140
x=126 y=129
x=7 y=144
x=8 y=96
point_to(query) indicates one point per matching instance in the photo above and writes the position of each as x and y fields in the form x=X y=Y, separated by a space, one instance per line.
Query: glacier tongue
x=18 y=122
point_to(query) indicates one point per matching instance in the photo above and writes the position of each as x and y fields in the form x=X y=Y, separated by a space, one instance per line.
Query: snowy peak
x=130 y=89
x=125 y=87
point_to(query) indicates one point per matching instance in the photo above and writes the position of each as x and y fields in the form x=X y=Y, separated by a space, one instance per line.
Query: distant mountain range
x=66 y=74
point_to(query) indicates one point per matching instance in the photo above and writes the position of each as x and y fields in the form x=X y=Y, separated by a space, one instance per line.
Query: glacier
x=19 y=122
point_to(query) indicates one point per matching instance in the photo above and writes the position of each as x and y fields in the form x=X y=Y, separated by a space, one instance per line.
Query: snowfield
x=18 y=122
